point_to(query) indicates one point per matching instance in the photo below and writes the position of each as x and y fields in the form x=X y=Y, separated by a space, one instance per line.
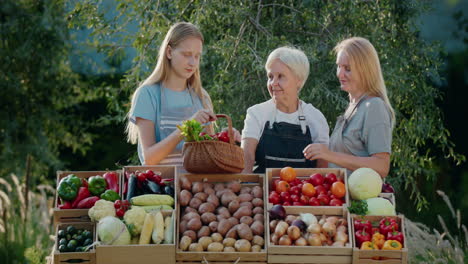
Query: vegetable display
x=81 y=193
x=221 y=217
x=386 y=234
x=71 y=239
x=307 y=230
x=317 y=190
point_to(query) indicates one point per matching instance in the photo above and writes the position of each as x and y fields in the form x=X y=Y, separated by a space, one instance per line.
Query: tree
x=42 y=99
x=239 y=35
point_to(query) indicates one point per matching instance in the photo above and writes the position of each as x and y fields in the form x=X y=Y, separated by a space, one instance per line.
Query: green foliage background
x=239 y=35
x=64 y=119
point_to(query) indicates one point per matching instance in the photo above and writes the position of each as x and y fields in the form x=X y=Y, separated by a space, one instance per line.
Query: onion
x=341 y=237
x=294 y=232
x=329 y=229
x=309 y=219
x=273 y=225
x=280 y=230
x=300 y=242
x=338 y=244
x=341 y=228
x=332 y=219
x=284 y=241
x=314 y=229
x=299 y=223
x=277 y=212
x=314 y=240
x=290 y=219
x=274 y=239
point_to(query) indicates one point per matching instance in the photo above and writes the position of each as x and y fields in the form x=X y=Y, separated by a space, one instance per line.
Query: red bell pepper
x=88 y=202
x=362 y=236
x=360 y=224
x=395 y=235
x=65 y=205
x=387 y=225
x=84 y=183
x=112 y=180
x=83 y=193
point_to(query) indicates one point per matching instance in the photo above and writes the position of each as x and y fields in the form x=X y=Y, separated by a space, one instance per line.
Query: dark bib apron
x=281 y=146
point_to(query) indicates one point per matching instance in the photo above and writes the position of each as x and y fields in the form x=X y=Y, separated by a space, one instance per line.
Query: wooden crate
x=75 y=215
x=141 y=254
x=88 y=257
x=167 y=172
x=311 y=254
x=387 y=256
x=302 y=173
x=222 y=257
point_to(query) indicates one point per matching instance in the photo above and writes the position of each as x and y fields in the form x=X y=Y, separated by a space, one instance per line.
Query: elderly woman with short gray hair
x=277 y=131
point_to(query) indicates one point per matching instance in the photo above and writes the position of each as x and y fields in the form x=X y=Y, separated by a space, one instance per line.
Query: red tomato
x=297 y=204
x=295 y=190
x=316 y=179
x=294 y=198
x=320 y=190
x=274 y=198
x=282 y=186
x=304 y=199
x=323 y=199
x=275 y=183
x=336 y=202
x=287 y=174
x=330 y=178
x=314 y=201
x=338 y=189
x=308 y=189
x=326 y=186
x=285 y=197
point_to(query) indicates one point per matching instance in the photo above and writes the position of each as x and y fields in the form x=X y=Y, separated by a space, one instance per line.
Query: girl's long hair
x=365 y=63
x=176 y=34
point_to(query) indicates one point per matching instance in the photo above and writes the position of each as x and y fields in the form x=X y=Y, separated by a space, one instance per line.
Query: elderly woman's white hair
x=295 y=59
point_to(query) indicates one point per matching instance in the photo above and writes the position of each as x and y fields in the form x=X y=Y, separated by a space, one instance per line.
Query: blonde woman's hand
x=204 y=116
x=316 y=151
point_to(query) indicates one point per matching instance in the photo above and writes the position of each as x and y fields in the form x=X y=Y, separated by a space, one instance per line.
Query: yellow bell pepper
x=392 y=245
x=368 y=246
x=378 y=240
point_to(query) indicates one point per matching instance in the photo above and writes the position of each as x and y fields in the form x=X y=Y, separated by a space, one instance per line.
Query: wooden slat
x=308 y=259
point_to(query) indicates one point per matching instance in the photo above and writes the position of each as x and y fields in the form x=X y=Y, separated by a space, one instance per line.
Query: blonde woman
x=363 y=134
x=171 y=94
x=276 y=131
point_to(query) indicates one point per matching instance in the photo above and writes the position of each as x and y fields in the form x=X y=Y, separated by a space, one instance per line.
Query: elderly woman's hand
x=316 y=151
x=237 y=134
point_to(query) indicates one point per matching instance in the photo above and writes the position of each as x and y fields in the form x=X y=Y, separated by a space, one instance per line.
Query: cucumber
x=132 y=186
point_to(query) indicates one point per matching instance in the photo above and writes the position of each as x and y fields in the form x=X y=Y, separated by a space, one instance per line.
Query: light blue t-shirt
x=148 y=106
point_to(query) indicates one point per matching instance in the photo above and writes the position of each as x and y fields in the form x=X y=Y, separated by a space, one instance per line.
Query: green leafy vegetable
x=191 y=130
x=358 y=207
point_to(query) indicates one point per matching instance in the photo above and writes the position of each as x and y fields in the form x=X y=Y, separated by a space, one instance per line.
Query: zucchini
x=153 y=199
x=151 y=208
x=132 y=187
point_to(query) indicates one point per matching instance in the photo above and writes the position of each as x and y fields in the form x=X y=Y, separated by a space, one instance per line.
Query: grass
x=432 y=246
x=25 y=231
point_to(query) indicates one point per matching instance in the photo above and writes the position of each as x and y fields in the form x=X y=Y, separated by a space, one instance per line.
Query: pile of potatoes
x=220 y=217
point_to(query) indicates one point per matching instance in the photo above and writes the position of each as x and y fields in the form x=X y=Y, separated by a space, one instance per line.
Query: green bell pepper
x=110 y=195
x=68 y=187
x=97 y=185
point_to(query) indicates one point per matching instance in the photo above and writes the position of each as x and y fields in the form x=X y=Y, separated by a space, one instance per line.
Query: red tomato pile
x=317 y=190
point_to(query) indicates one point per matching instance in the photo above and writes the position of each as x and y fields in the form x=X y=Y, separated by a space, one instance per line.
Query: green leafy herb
x=191 y=130
x=358 y=207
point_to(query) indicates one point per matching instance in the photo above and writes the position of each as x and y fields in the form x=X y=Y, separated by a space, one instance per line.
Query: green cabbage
x=112 y=231
x=364 y=183
x=380 y=206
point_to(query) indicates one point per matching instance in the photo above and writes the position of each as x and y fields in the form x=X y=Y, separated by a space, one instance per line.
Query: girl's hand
x=316 y=151
x=204 y=116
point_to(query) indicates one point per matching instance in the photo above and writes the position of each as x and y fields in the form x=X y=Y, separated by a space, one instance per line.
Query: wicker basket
x=209 y=156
